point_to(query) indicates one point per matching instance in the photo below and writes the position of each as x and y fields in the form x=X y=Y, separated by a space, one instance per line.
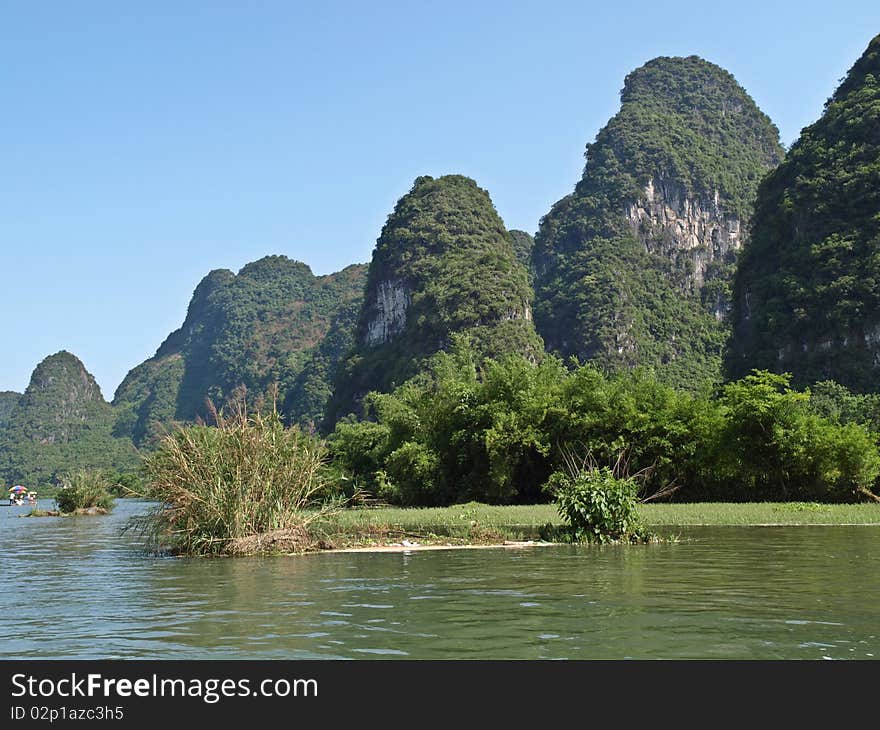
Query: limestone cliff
x=693 y=231
x=385 y=312
x=258 y=328
x=635 y=266
x=443 y=264
x=61 y=423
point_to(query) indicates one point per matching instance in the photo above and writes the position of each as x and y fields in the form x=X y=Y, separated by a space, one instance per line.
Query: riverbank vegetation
x=498 y=431
x=85 y=492
x=246 y=485
x=475 y=523
x=505 y=432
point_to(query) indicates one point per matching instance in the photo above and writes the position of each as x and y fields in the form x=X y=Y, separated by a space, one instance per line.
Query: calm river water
x=78 y=588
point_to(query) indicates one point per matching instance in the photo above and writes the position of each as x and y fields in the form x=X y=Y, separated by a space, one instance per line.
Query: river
x=79 y=588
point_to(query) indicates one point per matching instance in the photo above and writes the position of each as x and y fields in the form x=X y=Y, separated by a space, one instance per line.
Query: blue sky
x=143 y=144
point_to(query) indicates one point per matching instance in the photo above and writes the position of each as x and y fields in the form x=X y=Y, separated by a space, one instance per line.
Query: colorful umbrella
x=17 y=489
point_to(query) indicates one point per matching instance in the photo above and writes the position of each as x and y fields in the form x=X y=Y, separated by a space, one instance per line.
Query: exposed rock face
x=444 y=264
x=690 y=230
x=60 y=424
x=806 y=291
x=634 y=267
x=386 y=313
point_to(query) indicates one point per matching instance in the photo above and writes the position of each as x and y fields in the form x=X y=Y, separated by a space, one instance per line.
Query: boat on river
x=20 y=496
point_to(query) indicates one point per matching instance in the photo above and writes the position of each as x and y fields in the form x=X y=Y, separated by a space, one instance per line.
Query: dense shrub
x=775 y=447
x=495 y=433
x=598 y=506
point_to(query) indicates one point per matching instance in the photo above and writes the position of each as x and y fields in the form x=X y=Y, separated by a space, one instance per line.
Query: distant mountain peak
x=443 y=264
x=806 y=291
x=634 y=267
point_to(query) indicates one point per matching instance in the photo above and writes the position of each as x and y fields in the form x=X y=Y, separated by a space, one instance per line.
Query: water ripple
x=85 y=590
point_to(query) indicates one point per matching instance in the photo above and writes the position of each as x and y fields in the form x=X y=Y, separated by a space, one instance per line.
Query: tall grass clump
x=85 y=490
x=245 y=485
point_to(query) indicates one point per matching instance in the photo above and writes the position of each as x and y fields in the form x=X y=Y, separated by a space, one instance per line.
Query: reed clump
x=245 y=485
x=85 y=492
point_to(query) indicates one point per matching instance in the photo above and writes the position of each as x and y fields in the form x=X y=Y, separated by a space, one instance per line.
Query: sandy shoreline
x=416 y=547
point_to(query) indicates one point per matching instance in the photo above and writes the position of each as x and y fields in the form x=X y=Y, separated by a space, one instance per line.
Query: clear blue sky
x=143 y=144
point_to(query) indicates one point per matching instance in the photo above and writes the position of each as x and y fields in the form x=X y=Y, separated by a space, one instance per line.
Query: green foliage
x=358 y=450
x=836 y=403
x=453 y=435
x=522 y=243
x=248 y=484
x=494 y=431
x=598 y=506
x=61 y=424
x=808 y=284
x=84 y=489
x=266 y=325
x=603 y=294
x=308 y=393
x=444 y=262
x=146 y=402
x=127 y=484
x=691 y=121
x=8 y=402
x=776 y=447
x=670 y=433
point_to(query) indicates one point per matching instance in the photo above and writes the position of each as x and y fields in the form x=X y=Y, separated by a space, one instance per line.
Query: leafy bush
x=83 y=490
x=358 y=451
x=411 y=475
x=246 y=485
x=598 y=506
x=494 y=433
x=839 y=404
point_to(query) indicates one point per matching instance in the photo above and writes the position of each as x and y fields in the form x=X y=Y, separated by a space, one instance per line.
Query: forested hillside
x=443 y=264
x=263 y=326
x=60 y=424
x=808 y=286
x=634 y=267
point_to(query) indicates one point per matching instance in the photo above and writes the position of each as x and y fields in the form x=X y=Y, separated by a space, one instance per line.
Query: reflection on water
x=79 y=588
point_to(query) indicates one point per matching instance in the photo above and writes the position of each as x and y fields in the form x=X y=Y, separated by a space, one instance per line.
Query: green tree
x=775 y=447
